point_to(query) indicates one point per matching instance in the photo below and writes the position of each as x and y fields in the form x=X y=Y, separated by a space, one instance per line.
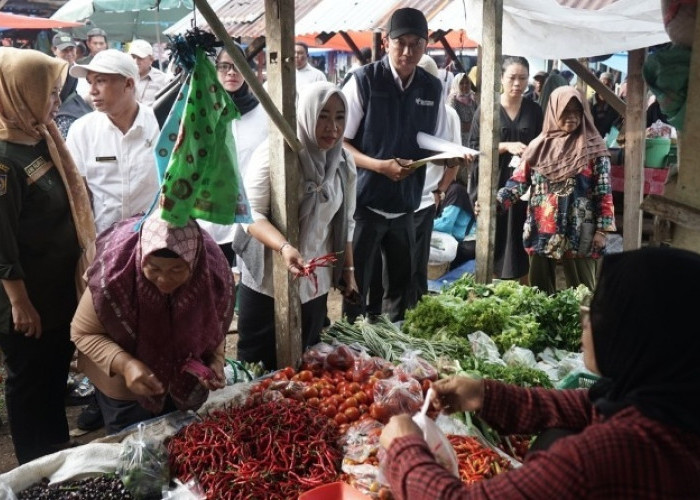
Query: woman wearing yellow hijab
x=46 y=232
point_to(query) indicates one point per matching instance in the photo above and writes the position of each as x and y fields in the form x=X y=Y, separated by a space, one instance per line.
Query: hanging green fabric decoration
x=202 y=179
x=666 y=72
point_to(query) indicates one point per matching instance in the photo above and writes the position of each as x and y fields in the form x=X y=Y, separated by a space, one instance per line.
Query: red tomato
x=289 y=371
x=305 y=375
x=351 y=402
x=340 y=418
x=329 y=411
x=313 y=402
x=352 y=414
x=309 y=392
x=425 y=385
x=361 y=397
x=280 y=376
x=354 y=387
x=378 y=412
x=325 y=393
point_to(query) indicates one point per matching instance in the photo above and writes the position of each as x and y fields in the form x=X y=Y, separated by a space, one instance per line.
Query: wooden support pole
x=284 y=176
x=377 y=50
x=587 y=76
x=353 y=46
x=439 y=36
x=688 y=185
x=489 y=138
x=255 y=47
x=635 y=147
x=218 y=29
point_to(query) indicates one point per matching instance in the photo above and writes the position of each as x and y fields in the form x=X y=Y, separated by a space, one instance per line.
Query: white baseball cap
x=141 y=48
x=109 y=62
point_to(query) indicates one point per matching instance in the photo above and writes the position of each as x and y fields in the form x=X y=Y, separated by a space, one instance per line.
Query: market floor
x=7 y=455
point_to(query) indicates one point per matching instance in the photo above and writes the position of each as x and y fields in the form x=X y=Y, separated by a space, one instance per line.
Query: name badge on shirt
x=105 y=158
x=36 y=169
x=424 y=102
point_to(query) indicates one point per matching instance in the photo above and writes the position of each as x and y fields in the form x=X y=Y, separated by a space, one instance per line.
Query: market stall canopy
x=247 y=20
x=457 y=40
x=569 y=29
x=18 y=22
x=125 y=20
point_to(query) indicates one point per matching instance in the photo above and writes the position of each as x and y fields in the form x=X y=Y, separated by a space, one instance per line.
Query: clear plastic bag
x=143 y=465
x=398 y=396
x=413 y=366
x=437 y=441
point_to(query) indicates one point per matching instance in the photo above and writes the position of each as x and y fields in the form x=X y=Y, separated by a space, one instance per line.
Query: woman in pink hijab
x=151 y=328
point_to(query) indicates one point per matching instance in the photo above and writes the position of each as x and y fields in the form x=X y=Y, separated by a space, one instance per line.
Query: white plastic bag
x=443 y=248
x=437 y=441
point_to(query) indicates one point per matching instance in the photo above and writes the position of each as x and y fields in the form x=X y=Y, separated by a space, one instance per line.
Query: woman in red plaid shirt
x=635 y=433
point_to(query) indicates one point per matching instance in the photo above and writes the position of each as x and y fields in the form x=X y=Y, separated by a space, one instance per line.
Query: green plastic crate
x=577 y=380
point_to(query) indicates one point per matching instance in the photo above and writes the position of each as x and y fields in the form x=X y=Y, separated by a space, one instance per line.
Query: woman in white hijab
x=326 y=207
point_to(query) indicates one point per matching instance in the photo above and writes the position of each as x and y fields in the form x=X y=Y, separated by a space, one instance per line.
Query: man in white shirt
x=306 y=73
x=150 y=79
x=113 y=146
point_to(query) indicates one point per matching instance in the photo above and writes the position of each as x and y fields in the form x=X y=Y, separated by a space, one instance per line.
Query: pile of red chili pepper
x=476 y=461
x=309 y=270
x=273 y=450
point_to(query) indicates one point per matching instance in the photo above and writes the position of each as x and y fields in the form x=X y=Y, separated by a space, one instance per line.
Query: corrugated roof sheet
x=246 y=18
x=241 y=18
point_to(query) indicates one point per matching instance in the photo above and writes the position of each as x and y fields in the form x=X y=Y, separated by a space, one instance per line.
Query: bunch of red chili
x=476 y=461
x=309 y=270
x=268 y=451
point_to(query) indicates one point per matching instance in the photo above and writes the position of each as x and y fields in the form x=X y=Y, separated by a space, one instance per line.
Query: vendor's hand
x=398 y=426
x=515 y=148
x=292 y=258
x=477 y=209
x=219 y=380
x=394 y=169
x=599 y=241
x=140 y=379
x=26 y=319
x=458 y=394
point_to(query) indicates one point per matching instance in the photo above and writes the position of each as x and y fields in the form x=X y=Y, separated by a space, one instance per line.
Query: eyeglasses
x=225 y=67
x=402 y=45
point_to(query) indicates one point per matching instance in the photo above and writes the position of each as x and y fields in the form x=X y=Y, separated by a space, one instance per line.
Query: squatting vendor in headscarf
x=151 y=327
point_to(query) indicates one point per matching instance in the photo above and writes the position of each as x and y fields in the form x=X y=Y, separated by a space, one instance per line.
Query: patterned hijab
x=645 y=345
x=556 y=154
x=27 y=78
x=163 y=331
x=318 y=167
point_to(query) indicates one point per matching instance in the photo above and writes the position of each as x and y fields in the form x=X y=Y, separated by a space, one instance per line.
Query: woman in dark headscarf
x=248 y=133
x=570 y=210
x=636 y=432
x=46 y=232
x=151 y=327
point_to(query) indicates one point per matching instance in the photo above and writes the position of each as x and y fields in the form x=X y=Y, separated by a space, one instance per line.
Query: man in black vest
x=389 y=102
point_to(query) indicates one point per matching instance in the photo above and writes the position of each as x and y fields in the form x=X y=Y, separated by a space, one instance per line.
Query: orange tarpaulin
x=456 y=38
x=17 y=22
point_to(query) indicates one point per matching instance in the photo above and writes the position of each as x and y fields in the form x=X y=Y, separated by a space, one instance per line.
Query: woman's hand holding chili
x=292 y=259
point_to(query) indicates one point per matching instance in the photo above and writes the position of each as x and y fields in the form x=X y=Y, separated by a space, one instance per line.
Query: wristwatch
x=441 y=194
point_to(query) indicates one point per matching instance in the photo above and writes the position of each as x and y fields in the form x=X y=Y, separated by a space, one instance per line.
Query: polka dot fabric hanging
x=202 y=179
